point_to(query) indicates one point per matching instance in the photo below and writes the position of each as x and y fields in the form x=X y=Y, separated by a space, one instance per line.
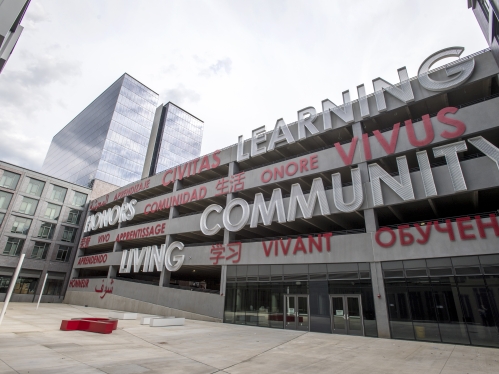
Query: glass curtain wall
x=450 y=300
x=255 y=293
x=181 y=139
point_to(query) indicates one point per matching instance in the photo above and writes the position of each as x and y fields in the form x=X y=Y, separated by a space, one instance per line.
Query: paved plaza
x=31 y=342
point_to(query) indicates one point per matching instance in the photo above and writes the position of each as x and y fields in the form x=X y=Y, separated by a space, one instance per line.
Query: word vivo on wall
x=113 y=215
x=317 y=195
x=152 y=257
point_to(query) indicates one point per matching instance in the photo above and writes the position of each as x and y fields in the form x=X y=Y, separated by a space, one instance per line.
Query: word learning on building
x=375 y=217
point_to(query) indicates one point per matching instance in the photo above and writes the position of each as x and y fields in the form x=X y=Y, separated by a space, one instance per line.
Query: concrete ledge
x=162 y=322
x=122 y=315
x=115 y=302
x=146 y=320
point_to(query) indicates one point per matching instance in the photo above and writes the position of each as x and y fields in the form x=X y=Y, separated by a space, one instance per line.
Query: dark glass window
x=28 y=206
x=46 y=230
x=25 y=285
x=40 y=250
x=5 y=199
x=58 y=193
x=35 y=187
x=53 y=211
x=9 y=180
x=74 y=216
x=53 y=287
x=79 y=199
x=13 y=247
x=69 y=234
x=20 y=225
x=63 y=253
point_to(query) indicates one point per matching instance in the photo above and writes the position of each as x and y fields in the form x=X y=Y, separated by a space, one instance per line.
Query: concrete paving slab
x=30 y=341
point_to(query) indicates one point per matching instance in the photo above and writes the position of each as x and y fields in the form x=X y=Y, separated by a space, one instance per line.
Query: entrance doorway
x=346 y=315
x=296 y=314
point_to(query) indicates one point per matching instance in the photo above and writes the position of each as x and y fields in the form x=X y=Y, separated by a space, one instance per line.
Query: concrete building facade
x=42 y=217
x=377 y=217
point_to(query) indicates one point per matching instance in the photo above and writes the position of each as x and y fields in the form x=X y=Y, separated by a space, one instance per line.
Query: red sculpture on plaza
x=99 y=325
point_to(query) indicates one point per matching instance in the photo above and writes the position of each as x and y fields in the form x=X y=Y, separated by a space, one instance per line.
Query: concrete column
x=164 y=278
x=371 y=223
x=228 y=235
x=113 y=270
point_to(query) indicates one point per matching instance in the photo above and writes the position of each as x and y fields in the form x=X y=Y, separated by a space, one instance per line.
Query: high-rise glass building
x=11 y=15
x=108 y=140
x=176 y=138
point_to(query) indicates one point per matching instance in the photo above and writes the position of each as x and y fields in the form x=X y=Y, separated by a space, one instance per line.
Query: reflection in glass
x=9 y=180
x=5 y=199
x=28 y=206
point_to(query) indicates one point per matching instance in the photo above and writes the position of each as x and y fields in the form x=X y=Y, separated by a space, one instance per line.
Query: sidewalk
x=31 y=342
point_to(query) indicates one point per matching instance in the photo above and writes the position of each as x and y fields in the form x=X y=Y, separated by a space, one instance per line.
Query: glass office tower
x=180 y=135
x=108 y=140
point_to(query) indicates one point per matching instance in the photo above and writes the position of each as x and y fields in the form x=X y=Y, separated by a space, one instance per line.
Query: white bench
x=146 y=320
x=168 y=321
x=122 y=315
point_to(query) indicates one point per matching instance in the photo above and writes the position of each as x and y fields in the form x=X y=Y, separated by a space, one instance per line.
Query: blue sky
x=236 y=64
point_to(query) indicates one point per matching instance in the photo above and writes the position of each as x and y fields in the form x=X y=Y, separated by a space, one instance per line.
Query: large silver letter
x=157 y=257
x=245 y=216
x=305 y=121
x=276 y=137
x=426 y=174
x=486 y=147
x=258 y=136
x=363 y=104
x=461 y=70
x=403 y=189
x=259 y=207
x=344 y=112
x=449 y=151
x=178 y=259
x=204 y=228
x=138 y=259
x=123 y=267
x=358 y=193
x=404 y=93
x=241 y=156
x=307 y=207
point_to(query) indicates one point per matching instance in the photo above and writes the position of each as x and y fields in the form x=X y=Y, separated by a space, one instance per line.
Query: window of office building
x=2 y=216
x=35 y=187
x=5 y=199
x=9 y=180
x=20 y=225
x=28 y=206
x=46 y=230
x=4 y=283
x=13 y=247
x=451 y=300
x=53 y=211
x=40 y=250
x=58 y=193
x=69 y=234
x=53 y=287
x=25 y=285
x=63 y=253
x=79 y=199
x=74 y=216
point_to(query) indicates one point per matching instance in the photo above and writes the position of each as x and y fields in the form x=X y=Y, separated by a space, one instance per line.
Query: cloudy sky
x=236 y=64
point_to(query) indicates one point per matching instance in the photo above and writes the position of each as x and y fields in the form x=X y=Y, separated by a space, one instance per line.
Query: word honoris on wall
x=402 y=187
x=122 y=213
x=386 y=237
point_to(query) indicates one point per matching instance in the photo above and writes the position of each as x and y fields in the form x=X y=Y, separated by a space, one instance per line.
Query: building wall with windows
x=176 y=138
x=487 y=14
x=108 y=140
x=42 y=217
x=378 y=217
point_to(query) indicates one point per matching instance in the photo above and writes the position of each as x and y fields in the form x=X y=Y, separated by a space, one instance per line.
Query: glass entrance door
x=296 y=316
x=346 y=315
